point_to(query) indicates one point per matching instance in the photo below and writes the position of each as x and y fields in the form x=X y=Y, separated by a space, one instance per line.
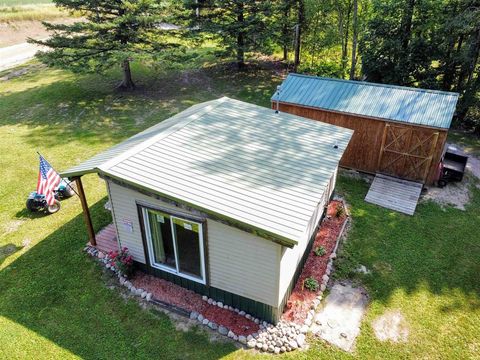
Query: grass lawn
x=53 y=299
x=470 y=142
x=23 y=2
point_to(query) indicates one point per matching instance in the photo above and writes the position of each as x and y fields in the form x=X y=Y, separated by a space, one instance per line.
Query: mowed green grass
x=23 y=2
x=54 y=302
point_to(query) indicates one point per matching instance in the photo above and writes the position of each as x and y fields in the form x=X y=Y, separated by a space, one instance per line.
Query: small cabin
x=399 y=131
x=223 y=198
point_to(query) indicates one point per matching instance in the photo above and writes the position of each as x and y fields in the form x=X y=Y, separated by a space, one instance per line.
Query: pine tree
x=111 y=33
x=242 y=25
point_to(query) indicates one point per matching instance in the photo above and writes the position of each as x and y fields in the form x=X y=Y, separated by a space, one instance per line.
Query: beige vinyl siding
x=238 y=262
x=243 y=263
x=291 y=257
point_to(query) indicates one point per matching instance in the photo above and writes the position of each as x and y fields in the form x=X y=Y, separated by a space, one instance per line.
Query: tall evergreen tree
x=111 y=33
x=242 y=25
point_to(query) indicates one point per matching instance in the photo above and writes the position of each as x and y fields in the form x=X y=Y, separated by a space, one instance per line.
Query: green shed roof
x=240 y=161
x=390 y=102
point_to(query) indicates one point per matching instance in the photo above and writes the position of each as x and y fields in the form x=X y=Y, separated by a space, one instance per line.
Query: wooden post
x=86 y=212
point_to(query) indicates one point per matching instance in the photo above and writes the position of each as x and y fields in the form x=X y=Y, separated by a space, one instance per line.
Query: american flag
x=48 y=179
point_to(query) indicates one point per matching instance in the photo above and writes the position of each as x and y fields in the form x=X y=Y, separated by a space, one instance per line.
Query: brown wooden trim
x=432 y=151
x=86 y=211
x=189 y=217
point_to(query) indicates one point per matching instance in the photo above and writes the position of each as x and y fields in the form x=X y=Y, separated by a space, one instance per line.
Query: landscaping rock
x=212 y=325
x=265 y=347
x=205 y=321
x=210 y=300
x=251 y=344
x=242 y=339
x=325 y=278
x=241 y=313
x=205 y=298
x=304 y=329
x=144 y=295
x=214 y=303
x=323 y=287
x=293 y=344
x=231 y=334
x=139 y=292
x=148 y=297
x=194 y=315
x=200 y=317
x=223 y=330
x=133 y=289
x=301 y=340
x=220 y=304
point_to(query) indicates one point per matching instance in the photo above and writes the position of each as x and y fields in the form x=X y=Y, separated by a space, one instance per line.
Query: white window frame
x=176 y=270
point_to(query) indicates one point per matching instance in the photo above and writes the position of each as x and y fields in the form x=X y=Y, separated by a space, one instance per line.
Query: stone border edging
x=283 y=337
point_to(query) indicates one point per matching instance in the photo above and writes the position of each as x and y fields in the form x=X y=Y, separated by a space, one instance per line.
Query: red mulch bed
x=301 y=299
x=298 y=303
x=188 y=300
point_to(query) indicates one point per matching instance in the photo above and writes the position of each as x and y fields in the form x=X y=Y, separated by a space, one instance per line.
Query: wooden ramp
x=395 y=194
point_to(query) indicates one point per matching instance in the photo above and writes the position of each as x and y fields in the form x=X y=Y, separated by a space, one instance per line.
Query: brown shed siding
x=364 y=150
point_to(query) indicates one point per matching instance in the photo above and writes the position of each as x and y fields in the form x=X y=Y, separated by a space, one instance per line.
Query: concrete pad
x=391 y=326
x=338 y=322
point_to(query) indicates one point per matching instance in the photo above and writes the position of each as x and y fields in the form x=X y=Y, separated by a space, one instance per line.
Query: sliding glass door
x=175 y=244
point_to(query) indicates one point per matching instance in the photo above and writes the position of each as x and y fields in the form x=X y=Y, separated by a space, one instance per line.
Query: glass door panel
x=163 y=251
x=189 y=250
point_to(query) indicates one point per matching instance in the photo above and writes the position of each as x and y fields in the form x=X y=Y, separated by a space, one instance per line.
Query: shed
x=224 y=199
x=399 y=131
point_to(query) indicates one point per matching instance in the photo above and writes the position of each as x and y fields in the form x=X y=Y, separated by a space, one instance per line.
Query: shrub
x=311 y=284
x=339 y=211
x=122 y=260
x=319 y=251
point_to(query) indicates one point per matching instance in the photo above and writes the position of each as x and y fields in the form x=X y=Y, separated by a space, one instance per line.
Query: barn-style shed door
x=407 y=151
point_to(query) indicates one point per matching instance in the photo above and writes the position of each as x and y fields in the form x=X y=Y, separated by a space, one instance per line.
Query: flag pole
x=68 y=183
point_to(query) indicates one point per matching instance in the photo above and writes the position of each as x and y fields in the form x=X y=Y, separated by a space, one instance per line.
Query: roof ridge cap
x=368 y=83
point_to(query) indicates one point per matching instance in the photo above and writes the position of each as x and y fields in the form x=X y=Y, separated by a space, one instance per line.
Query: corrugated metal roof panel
x=93 y=163
x=410 y=105
x=240 y=161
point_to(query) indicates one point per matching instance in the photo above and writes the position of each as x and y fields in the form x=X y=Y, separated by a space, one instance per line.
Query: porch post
x=86 y=212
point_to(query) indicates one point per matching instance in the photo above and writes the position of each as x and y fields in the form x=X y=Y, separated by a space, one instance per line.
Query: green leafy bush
x=311 y=284
x=319 y=251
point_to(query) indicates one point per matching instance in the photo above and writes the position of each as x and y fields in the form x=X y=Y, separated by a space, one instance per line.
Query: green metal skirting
x=255 y=308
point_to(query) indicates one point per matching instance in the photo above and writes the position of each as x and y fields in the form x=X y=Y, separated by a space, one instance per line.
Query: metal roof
x=240 y=161
x=397 y=103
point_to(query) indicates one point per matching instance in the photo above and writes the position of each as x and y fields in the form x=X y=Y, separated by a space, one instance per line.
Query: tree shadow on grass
x=437 y=249
x=87 y=109
x=56 y=291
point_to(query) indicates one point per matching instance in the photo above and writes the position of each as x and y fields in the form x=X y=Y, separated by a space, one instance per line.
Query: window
x=175 y=244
